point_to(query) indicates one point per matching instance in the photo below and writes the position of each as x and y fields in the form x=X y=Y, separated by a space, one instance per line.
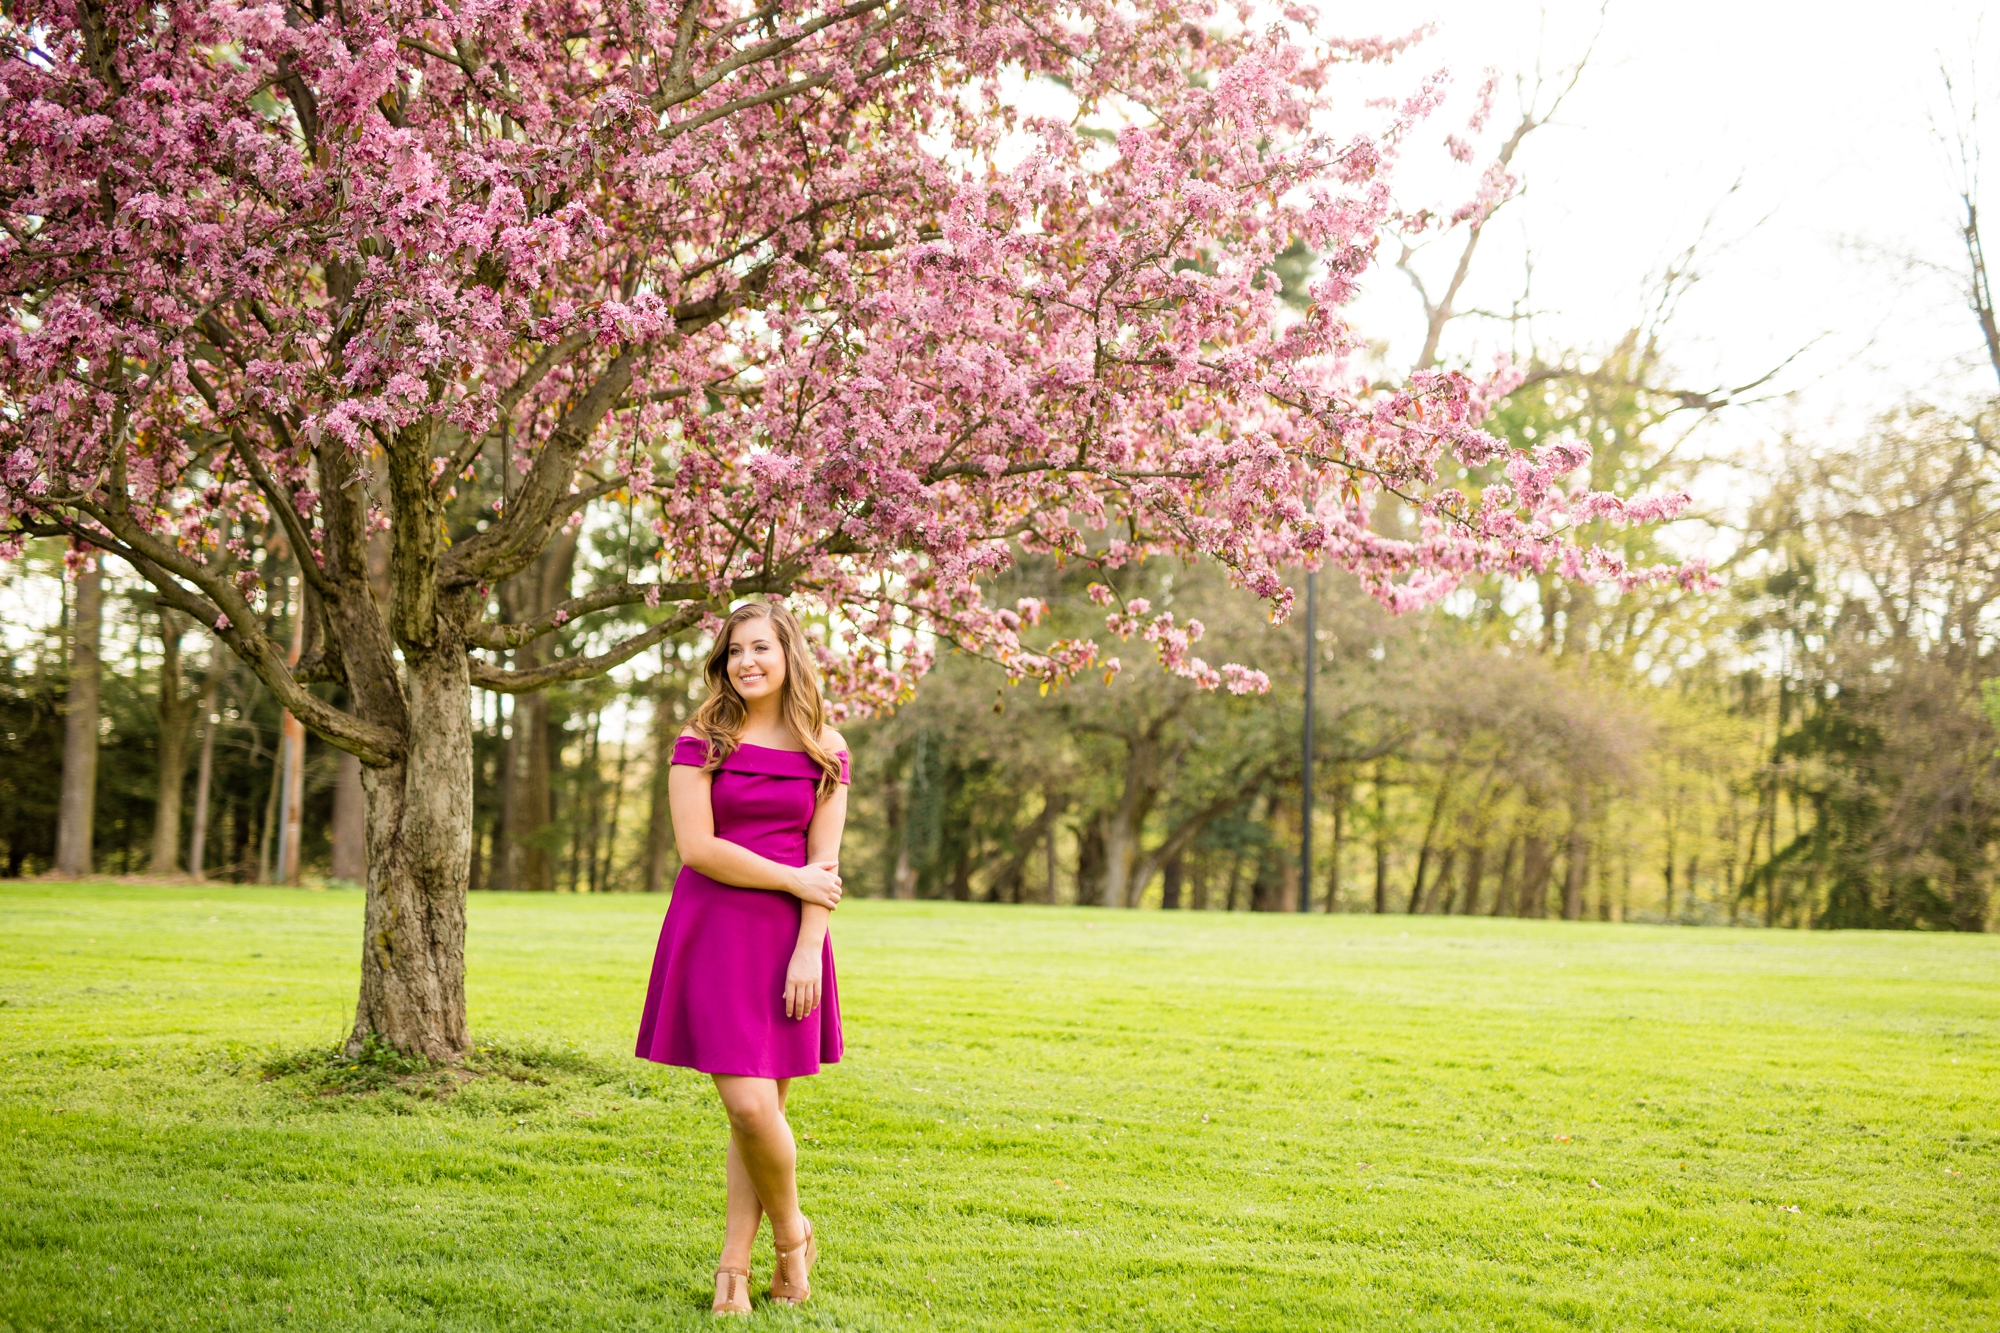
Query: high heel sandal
x=789 y=1273
x=732 y=1291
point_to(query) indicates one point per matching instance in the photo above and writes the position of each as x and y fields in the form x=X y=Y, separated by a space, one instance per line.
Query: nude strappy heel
x=788 y=1275
x=732 y=1291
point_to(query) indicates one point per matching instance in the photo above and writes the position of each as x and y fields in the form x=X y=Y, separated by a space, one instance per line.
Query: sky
x=1799 y=143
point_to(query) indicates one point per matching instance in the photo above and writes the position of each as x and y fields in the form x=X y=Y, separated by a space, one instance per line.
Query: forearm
x=726 y=862
x=812 y=927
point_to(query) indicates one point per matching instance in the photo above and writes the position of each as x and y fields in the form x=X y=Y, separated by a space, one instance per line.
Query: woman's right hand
x=818 y=883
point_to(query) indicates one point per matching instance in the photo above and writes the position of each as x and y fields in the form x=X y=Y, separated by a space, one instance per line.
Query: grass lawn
x=1048 y=1119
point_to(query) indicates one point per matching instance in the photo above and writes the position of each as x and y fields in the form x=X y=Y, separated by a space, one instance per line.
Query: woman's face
x=756 y=662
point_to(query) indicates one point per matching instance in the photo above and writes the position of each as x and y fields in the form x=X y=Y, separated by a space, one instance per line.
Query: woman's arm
x=818 y=886
x=829 y=821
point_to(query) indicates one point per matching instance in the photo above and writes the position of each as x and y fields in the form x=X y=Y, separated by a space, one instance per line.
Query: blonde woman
x=742 y=984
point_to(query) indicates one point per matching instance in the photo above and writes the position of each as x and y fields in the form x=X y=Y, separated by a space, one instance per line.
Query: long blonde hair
x=723 y=714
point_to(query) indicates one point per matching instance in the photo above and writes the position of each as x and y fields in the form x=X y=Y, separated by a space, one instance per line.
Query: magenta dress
x=717 y=998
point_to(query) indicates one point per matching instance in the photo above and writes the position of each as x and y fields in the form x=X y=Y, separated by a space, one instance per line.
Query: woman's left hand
x=802 y=981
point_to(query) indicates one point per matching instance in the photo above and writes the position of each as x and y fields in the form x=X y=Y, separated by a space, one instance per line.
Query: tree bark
x=291 y=815
x=1123 y=823
x=1381 y=843
x=1170 y=884
x=1475 y=867
x=1533 y=890
x=350 y=822
x=176 y=716
x=1577 y=860
x=1340 y=797
x=78 y=807
x=419 y=845
x=204 y=773
x=530 y=814
x=660 y=819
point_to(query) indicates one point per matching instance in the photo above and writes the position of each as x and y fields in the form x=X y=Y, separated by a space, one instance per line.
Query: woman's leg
x=760 y=1141
x=739 y=1232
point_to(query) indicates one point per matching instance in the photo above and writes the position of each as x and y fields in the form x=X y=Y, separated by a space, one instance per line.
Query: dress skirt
x=716 y=1001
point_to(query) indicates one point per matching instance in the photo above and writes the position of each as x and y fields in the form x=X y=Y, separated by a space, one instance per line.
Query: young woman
x=742 y=984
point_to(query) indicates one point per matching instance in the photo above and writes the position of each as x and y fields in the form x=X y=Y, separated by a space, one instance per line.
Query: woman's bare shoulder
x=688 y=733
x=831 y=739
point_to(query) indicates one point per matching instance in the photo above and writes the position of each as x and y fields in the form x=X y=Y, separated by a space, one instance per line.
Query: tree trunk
x=1577 y=861
x=419 y=845
x=1443 y=887
x=1121 y=841
x=350 y=821
x=1340 y=795
x=1381 y=843
x=176 y=716
x=1475 y=867
x=617 y=806
x=78 y=808
x=204 y=773
x=505 y=856
x=530 y=815
x=1170 y=884
x=660 y=819
x=534 y=869
x=1536 y=864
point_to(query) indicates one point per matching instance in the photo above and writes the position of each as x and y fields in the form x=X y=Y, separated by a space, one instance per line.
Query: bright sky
x=1805 y=130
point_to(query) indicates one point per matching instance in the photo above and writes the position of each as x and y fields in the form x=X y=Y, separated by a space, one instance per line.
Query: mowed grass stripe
x=1049 y=1119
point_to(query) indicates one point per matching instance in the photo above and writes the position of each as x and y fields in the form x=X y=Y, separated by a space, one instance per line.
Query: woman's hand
x=802 y=980
x=818 y=884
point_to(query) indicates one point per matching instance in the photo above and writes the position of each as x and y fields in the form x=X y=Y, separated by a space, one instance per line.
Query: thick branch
x=500 y=636
x=501 y=681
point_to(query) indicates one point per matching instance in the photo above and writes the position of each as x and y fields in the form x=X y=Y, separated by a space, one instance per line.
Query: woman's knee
x=753 y=1105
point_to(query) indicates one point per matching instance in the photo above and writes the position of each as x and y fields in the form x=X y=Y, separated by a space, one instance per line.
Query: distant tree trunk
x=586 y=806
x=77 y=810
x=660 y=815
x=350 y=821
x=505 y=854
x=204 y=773
x=1122 y=825
x=1430 y=836
x=1577 y=859
x=617 y=799
x=1170 y=884
x=176 y=717
x=1287 y=879
x=537 y=738
x=1198 y=898
x=1235 y=880
x=1443 y=887
x=1090 y=871
x=1536 y=865
x=1504 y=892
x=1049 y=850
x=1381 y=843
x=1475 y=867
x=267 y=831
x=1341 y=792
x=293 y=749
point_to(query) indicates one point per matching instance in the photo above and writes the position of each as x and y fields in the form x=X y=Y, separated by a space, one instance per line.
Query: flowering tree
x=794 y=280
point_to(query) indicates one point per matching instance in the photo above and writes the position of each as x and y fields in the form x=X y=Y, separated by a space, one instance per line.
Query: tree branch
x=501 y=681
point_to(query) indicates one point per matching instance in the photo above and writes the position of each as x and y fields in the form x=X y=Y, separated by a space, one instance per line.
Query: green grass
x=1048 y=1119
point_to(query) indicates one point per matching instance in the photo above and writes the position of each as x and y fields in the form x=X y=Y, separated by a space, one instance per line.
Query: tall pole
x=1306 y=786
